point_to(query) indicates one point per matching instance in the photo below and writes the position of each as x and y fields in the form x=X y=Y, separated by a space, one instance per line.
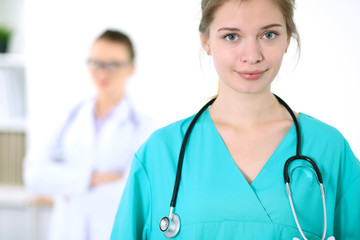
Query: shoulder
x=138 y=117
x=82 y=106
x=326 y=142
x=314 y=128
x=69 y=114
x=177 y=128
x=168 y=137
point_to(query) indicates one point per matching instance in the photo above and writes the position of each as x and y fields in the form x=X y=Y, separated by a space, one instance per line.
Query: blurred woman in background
x=84 y=166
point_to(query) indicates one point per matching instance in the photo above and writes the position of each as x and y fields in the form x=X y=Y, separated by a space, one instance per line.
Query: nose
x=100 y=72
x=251 y=51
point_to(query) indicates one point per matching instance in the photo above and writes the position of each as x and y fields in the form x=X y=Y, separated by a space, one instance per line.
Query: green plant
x=5 y=34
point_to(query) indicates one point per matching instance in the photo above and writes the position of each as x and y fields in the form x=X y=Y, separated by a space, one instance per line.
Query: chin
x=250 y=87
x=103 y=91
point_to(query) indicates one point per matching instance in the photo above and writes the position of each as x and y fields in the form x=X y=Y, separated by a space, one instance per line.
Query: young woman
x=233 y=152
x=84 y=166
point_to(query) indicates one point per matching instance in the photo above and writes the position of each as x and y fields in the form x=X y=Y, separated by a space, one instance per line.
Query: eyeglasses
x=110 y=66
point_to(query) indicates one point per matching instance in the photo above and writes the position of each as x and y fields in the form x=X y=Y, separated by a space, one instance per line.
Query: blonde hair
x=209 y=7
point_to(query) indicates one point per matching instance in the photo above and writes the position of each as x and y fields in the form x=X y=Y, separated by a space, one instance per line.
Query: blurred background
x=44 y=46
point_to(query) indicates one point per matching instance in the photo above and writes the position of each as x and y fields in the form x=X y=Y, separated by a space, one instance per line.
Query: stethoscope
x=170 y=225
x=58 y=154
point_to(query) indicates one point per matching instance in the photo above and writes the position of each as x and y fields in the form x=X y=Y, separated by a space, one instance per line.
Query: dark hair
x=118 y=37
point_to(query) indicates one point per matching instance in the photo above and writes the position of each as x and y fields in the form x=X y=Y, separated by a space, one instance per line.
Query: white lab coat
x=81 y=212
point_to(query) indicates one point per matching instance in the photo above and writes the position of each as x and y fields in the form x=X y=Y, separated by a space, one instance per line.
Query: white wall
x=173 y=77
x=326 y=82
x=12 y=16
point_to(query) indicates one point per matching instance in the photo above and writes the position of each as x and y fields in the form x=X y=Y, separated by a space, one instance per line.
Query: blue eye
x=231 y=37
x=270 y=35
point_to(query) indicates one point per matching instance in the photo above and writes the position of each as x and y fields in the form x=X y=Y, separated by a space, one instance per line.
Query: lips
x=251 y=75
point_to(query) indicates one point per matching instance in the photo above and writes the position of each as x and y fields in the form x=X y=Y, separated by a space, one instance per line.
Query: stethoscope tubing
x=297 y=127
x=176 y=226
x=191 y=126
x=182 y=152
x=300 y=157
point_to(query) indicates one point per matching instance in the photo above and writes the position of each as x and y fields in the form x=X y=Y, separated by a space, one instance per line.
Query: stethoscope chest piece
x=170 y=227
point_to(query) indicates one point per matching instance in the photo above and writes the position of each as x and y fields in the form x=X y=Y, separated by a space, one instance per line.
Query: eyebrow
x=238 y=30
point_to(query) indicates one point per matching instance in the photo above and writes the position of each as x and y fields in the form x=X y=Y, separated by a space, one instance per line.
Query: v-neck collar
x=290 y=135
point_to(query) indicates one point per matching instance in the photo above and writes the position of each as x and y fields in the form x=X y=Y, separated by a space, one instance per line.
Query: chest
x=213 y=189
x=250 y=149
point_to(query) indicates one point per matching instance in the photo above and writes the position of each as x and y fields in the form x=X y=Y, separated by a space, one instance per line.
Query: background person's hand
x=104 y=177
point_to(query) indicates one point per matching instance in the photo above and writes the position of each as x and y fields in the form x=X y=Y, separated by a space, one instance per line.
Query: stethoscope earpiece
x=170 y=226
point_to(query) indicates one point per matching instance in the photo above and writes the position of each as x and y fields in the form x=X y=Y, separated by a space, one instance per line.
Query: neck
x=105 y=102
x=245 y=110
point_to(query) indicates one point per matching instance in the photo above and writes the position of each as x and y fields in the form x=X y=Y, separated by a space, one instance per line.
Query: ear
x=132 y=68
x=205 y=43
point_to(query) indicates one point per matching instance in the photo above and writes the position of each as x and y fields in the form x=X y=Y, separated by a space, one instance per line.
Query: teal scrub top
x=216 y=202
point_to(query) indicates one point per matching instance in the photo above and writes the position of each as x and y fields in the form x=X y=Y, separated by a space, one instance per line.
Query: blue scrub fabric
x=216 y=202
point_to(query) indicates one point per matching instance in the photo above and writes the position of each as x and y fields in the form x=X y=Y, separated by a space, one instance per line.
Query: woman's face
x=110 y=65
x=247 y=41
